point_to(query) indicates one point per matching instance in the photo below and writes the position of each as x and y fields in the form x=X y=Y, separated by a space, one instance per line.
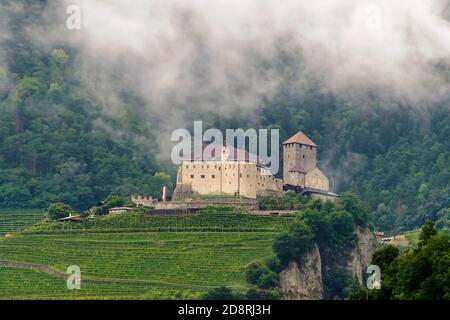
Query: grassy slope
x=413 y=237
x=136 y=257
x=15 y=220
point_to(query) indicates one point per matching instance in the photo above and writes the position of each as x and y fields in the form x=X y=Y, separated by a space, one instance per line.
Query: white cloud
x=226 y=55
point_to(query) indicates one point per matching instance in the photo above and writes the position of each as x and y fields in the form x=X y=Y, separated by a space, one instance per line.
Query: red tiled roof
x=300 y=138
x=71 y=218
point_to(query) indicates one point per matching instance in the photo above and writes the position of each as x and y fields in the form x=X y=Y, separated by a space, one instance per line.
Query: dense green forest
x=420 y=273
x=56 y=144
x=397 y=159
x=50 y=146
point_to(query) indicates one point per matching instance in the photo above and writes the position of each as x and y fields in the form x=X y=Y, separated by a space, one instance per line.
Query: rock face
x=303 y=283
x=362 y=254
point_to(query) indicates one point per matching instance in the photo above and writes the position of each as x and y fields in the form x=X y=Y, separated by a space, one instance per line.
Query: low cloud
x=227 y=56
x=4 y=37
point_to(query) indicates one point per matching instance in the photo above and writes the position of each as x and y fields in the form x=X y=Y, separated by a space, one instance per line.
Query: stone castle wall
x=317 y=180
x=245 y=179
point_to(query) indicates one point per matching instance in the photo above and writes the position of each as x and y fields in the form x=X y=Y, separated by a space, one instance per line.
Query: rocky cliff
x=306 y=282
x=361 y=256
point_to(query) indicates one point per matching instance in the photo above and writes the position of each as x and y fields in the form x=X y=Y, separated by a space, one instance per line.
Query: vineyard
x=214 y=220
x=15 y=220
x=133 y=257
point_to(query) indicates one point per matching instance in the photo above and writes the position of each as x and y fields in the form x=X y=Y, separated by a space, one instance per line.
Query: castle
x=228 y=171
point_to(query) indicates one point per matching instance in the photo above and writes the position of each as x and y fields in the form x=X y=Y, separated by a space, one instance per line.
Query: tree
x=59 y=210
x=114 y=201
x=251 y=274
x=385 y=256
x=422 y=273
x=222 y=293
x=261 y=275
x=294 y=244
x=253 y=294
x=351 y=203
x=428 y=230
x=268 y=280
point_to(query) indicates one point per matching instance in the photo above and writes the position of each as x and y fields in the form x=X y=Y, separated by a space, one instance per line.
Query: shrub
x=428 y=230
x=114 y=201
x=222 y=293
x=274 y=264
x=256 y=274
x=385 y=256
x=292 y=245
x=273 y=295
x=59 y=210
x=268 y=280
x=261 y=275
x=253 y=294
x=251 y=273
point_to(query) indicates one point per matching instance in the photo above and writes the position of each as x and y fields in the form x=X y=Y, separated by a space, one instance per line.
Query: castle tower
x=299 y=158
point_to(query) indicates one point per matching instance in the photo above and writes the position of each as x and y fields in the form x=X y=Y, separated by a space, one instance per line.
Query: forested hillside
x=55 y=144
x=58 y=145
x=397 y=158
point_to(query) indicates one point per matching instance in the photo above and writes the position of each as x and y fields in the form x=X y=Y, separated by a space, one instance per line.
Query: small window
x=192 y=176
x=213 y=176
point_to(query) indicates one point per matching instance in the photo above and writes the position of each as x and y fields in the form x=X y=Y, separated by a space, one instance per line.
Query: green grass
x=132 y=257
x=207 y=221
x=38 y=285
x=413 y=237
x=15 y=220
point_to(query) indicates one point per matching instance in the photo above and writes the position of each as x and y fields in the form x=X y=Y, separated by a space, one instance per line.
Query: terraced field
x=15 y=220
x=225 y=220
x=37 y=285
x=132 y=257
